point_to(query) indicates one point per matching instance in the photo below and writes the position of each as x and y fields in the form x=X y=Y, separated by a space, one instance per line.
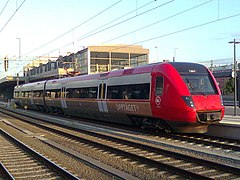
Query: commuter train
x=172 y=96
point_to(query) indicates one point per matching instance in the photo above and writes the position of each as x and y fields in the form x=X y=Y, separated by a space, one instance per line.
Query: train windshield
x=196 y=77
x=199 y=84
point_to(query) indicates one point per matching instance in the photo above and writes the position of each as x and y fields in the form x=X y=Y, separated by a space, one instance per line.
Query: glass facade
x=99 y=62
x=82 y=62
x=107 y=58
x=138 y=59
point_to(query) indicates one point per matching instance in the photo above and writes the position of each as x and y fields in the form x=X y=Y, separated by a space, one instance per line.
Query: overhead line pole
x=19 y=58
x=234 y=42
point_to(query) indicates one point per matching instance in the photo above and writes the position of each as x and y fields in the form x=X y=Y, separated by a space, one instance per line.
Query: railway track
x=199 y=139
x=18 y=161
x=178 y=165
x=216 y=142
x=162 y=160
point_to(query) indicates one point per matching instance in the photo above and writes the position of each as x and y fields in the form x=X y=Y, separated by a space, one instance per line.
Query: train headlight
x=188 y=100
x=221 y=98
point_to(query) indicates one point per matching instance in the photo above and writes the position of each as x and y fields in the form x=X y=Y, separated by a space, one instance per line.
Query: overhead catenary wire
x=114 y=20
x=179 y=31
x=94 y=16
x=12 y=16
x=149 y=10
x=91 y=18
x=177 y=14
x=4 y=7
x=159 y=21
x=175 y=32
x=126 y=20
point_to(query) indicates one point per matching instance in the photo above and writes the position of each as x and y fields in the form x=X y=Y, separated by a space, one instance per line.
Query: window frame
x=159 y=90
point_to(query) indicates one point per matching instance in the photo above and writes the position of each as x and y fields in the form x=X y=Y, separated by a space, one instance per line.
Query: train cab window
x=159 y=86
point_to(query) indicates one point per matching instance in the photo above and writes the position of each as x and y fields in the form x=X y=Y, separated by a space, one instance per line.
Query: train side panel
x=128 y=98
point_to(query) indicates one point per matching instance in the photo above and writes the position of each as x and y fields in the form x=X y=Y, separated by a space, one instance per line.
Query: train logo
x=158 y=100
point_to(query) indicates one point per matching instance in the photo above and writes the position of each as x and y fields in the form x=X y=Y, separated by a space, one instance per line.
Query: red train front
x=186 y=96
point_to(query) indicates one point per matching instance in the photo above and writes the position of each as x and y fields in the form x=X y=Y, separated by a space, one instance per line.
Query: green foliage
x=229 y=86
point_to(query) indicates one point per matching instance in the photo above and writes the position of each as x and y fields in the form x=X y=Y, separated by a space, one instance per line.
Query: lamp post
x=19 y=45
x=234 y=42
x=174 y=54
x=19 y=57
x=157 y=52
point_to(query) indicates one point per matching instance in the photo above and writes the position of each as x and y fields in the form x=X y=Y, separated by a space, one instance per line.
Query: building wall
x=95 y=59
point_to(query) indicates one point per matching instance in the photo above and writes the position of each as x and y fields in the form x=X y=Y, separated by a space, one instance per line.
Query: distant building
x=95 y=59
x=92 y=59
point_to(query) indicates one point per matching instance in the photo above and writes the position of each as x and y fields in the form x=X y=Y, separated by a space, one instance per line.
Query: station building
x=90 y=60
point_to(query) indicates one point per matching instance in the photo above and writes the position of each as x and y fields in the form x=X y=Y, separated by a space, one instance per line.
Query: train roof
x=184 y=67
x=115 y=73
x=179 y=66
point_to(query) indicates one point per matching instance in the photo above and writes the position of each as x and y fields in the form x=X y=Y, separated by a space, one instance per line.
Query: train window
x=57 y=93
x=16 y=94
x=134 y=91
x=53 y=93
x=48 y=94
x=26 y=94
x=90 y=92
x=159 y=86
x=93 y=93
x=37 y=93
x=199 y=84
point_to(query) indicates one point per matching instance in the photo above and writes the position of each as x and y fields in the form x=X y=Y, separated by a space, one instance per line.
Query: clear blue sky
x=198 y=30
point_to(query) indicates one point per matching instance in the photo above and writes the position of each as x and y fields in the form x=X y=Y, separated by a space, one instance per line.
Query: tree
x=229 y=86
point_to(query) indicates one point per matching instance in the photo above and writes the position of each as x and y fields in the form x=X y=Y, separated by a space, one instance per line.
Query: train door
x=158 y=94
x=63 y=97
x=102 y=92
x=31 y=97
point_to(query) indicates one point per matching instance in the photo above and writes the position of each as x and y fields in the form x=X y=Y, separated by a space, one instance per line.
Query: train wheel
x=167 y=130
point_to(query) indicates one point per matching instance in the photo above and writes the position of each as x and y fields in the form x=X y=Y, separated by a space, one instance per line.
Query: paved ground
x=229 y=116
x=229 y=110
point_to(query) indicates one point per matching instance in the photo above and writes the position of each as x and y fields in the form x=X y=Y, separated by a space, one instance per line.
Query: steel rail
x=208 y=140
x=6 y=174
x=50 y=164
